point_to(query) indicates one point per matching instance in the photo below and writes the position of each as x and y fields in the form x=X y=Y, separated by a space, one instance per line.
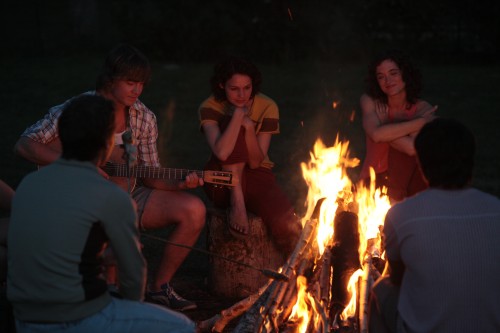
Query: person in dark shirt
x=62 y=217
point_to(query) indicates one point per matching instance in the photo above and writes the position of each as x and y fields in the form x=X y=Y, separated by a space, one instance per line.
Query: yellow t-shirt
x=264 y=112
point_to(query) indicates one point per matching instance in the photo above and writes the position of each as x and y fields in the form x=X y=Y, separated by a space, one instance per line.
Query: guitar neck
x=120 y=170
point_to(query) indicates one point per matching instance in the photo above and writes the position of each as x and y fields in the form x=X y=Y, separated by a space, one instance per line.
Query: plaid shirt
x=142 y=121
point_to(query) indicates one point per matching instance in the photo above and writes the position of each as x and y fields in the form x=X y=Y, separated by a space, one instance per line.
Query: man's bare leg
x=184 y=210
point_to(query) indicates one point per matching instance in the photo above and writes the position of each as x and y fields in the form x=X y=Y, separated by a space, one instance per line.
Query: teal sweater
x=62 y=216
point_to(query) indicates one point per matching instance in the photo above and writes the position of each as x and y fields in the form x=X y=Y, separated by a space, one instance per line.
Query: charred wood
x=345 y=257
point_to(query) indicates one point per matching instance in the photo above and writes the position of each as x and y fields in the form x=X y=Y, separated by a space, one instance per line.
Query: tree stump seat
x=229 y=279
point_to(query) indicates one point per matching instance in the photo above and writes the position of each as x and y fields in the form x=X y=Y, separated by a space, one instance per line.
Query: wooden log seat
x=228 y=279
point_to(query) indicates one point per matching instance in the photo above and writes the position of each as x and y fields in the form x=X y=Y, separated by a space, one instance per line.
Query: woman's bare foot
x=238 y=222
x=237 y=219
x=237 y=213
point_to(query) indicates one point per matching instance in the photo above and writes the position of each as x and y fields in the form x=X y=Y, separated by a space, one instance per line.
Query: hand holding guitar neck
x=130 y=149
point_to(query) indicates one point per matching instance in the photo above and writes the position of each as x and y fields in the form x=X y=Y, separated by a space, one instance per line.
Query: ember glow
x=353 y=116
x=326 y=177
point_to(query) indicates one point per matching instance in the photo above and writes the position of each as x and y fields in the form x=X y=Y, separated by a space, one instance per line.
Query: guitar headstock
x=222 y=178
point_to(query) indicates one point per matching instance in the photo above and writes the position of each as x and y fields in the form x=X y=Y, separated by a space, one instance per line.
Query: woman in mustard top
x=238 y=123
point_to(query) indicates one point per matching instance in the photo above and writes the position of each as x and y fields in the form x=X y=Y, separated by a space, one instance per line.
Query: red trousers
x=263 y=197
x=404 y=177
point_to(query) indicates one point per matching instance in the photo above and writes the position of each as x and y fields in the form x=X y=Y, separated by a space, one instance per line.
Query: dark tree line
x=265 y=30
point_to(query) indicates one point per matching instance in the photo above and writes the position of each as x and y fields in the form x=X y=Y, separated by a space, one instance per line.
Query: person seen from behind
x=62 y=217
x=441 y=245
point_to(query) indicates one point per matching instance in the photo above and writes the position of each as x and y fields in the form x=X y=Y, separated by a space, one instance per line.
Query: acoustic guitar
x=222 y=178
x=126 y=178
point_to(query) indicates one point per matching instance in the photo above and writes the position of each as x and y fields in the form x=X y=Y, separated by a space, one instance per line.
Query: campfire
x=336 y=260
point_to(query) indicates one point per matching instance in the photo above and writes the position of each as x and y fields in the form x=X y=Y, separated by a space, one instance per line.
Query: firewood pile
x=314 y=295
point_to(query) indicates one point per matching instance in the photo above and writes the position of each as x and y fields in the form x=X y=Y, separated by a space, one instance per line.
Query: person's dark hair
x=445 y=149
x=85 y=126
x=124 y=62
x=224 y=70
x=410 y=74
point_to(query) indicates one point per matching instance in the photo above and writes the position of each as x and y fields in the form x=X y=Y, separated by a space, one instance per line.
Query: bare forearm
x=37 y=152
x=404 y=145
x=225 y=143
x=391 y=132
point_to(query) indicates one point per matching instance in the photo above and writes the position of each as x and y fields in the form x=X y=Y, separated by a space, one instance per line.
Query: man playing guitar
x=159 y=202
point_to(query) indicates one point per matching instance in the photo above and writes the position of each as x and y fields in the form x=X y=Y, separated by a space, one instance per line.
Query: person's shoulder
x=28 y=178
x=262 y=101
x=409 y=204
x=486 y=198
x=141 y=107
x=86 y=93
x=367 y=102
x=365 y=97
x=210 y=102
x=57 y=109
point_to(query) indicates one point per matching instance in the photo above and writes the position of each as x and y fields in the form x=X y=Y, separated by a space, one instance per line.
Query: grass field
x=304 y=92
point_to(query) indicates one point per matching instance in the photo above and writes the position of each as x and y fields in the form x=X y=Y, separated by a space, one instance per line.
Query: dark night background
x=311 y=53
x=272 y=31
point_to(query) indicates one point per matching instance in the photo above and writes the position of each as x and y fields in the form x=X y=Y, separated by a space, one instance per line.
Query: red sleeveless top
x=377 y=152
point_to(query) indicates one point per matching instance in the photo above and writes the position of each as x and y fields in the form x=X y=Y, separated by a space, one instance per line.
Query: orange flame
x=302 y=310
x=350 y=309
x=326 y=177
x=373 y=205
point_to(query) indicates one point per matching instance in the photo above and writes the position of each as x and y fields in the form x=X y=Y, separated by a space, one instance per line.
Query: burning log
x=289 y=300
x=327 y=305
x=345 y=260
x=324 y=318
x=275 y=296
x=325 y=280
x=370 y=275
x=271 y=301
